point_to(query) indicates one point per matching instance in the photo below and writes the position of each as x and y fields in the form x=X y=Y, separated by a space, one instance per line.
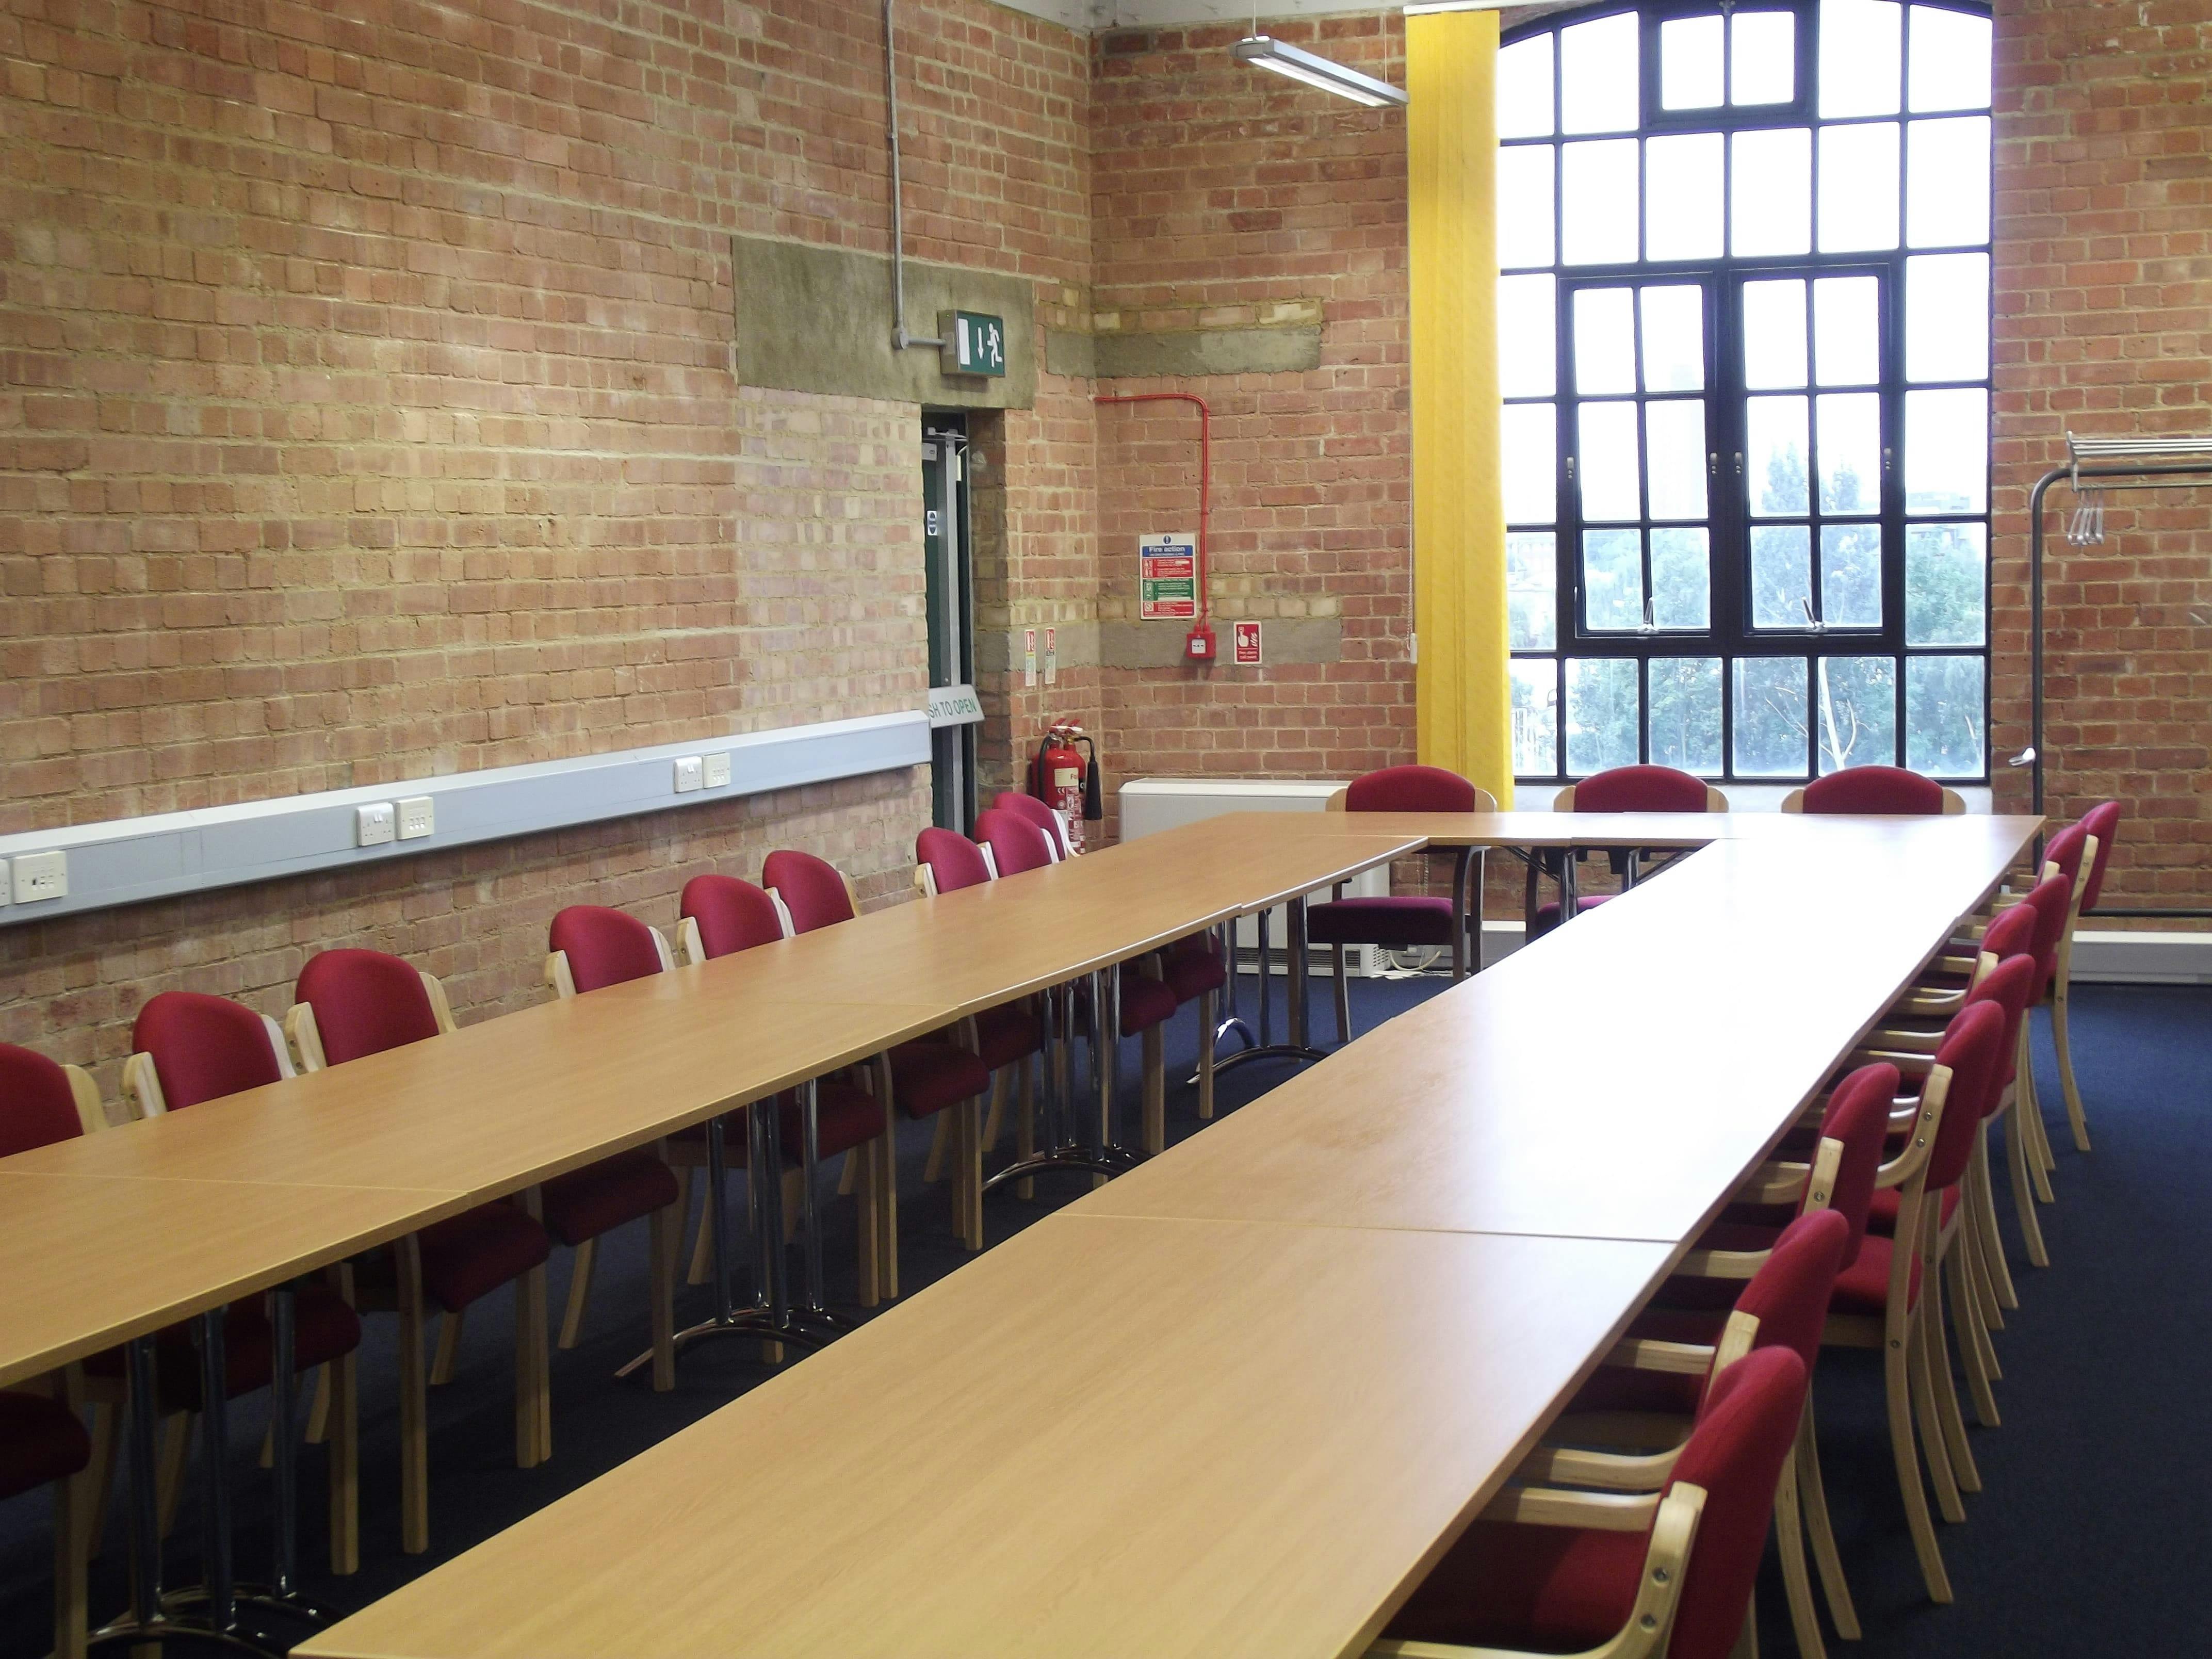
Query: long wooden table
x=1237 y=1402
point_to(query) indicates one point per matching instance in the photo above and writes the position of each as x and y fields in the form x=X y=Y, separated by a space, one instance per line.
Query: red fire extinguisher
x=1064 y=780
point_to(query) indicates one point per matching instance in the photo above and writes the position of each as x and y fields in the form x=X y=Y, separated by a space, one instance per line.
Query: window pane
x=1611 y=478
x=1682 y=197
x=1524 y=89
x=1858 y=712
x=1850 y=452
x=1950 y=60
x=1847 y=330
x=1946 y=452
x=1947 y=317
x=1943 y=715
x=1532 y=576
x=1528 y=336
x=1850 y=575
x=1690 y=63
x=1529 y=447
x=1858 y=187
x=1770 y=198
x=1600 y=89
x=1775 y=464
x=1675 y=444
x=1945 y=583
x=1770 y=717
x=1603 y=714
x=1762 y=58
x=1861 y=57
x=1536 y=717
x=1612 y=578
x=1605 y=340
x=1598 y=203
x=1774 y=334
x=1673 y=338
x=1946 y=182
x=1681 y=580
x=1780 y=575
x=1686 y=714
x=1524 y=205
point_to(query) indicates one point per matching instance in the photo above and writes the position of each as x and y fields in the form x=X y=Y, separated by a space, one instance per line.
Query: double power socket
x=402 y=820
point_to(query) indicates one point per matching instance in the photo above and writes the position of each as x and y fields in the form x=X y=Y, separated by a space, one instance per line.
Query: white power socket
x=7 y=887
x=374 y=825
x=37 y=876
x=418 y=819
x=718 y=771
x=689 y=773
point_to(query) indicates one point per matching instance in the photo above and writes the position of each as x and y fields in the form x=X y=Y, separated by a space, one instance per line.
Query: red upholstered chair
x=43 y=1441
x=1006 y=1039
x=1890 y=1298
x=1623 y=789
x=1875 y=792
x=2102 y=825
x=188 y=1048
x=354 y=1003
x=1557 y=1571
x=1404 y=921
x=722 y=916
x=1033 y=811
x=920 y=1079
x=1148 y=1001
x=590 y=947
x=1624 y=1430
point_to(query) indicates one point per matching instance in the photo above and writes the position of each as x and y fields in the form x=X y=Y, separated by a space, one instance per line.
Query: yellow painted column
x=1461 y=680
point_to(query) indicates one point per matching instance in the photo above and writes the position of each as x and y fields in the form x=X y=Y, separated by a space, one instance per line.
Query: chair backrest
x=1789 y=1294
x=2011 y=988
x=1016 y=844
x=605 y=947
x=2103 y=822
x=951 y=861
x=1746 y=1428
x=1642 y=789
x=2012 y=932
x=722 y=916
x=1972 y=1050
x=1032 y=810
x=1875 y=792
x=1415 y=789
x=1857 y=1118
x=362 y=1003
x=813 y=891
x=2053 y=899
x=201 y=1047
x=39 y=1101
x=2065 y=849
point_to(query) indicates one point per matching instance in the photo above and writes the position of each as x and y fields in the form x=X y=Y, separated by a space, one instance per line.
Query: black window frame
x=1730 y=635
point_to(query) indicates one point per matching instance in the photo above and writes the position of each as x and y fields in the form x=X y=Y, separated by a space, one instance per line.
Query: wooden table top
x=1104 y=1437
x=89 y=1262
x=417 y=1133
x=1660 y=831
x=1620 y=1079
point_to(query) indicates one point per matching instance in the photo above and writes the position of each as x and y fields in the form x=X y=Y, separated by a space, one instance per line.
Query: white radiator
x=1151 y=804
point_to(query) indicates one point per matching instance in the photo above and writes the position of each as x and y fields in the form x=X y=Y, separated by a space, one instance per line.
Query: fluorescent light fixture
x=1264 y=51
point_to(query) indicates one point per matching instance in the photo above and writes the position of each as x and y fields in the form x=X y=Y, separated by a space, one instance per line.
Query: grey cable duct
x=900 y=338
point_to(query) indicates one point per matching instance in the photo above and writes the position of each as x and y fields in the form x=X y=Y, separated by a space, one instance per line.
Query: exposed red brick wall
x=366 y=411
x=2104 y=286
x=1220 y=191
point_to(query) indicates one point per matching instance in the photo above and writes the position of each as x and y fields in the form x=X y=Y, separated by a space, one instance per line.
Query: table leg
x=1058 y=1147
x=1267 y=1048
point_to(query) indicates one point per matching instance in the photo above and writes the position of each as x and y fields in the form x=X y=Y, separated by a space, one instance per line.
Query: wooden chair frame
x=534 y=1401
x=1673 y=1521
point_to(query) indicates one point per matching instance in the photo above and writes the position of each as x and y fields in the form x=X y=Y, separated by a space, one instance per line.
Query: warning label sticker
x=1167 y=576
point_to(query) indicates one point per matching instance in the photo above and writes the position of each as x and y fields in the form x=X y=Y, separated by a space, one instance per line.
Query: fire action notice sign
x=1167 y=576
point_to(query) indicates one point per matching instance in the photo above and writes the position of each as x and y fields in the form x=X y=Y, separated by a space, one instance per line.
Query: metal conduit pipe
x=901 y=340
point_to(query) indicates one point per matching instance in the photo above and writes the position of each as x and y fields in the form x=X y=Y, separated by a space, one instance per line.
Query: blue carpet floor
x=2087 y=1540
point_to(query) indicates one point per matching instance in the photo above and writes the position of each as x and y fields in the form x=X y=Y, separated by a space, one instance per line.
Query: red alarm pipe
x=1205 y=468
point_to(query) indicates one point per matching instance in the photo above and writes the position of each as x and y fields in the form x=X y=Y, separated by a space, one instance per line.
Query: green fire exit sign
x=975 y=344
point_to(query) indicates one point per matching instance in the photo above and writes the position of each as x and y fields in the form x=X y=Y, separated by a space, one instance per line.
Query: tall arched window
x=1744 y=327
